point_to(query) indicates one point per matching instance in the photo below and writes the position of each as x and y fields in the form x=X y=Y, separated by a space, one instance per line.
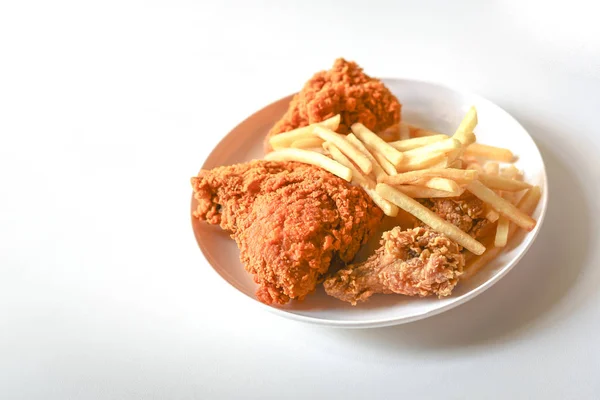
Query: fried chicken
x=466 y=212
x=346 y=90
x=415 y=262
x=290 y=221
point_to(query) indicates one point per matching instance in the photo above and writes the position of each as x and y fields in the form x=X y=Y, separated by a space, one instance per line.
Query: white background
x=107 y=109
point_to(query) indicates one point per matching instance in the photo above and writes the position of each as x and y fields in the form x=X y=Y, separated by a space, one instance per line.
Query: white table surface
x=106 y=110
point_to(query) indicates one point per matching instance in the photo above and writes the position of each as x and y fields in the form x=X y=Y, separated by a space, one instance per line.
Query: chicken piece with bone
x=290 y=221
x=346 y=90
x=415 y=262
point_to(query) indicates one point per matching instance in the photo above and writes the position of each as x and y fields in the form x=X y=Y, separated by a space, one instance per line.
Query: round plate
x=427 y=105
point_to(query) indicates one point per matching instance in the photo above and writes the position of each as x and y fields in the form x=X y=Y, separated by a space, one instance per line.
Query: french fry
x=491 y=214
x=443 y=163
x=422 y=162
x=404 y=132
x=279 y=141
x=414 y=143
x=491 y=168
x=489 y=152
x=372 y=141
x=308 y=143
x=502 y=206
x=424 y=134
x=443 y=146
x=443 y=184
x=474 y=166
x=317 y=150
x=458 y=164
x=467 y=138
x=477 y=149
x=526 y=205
x=511 y=172
x=502 y=232
x=500 y=183
x=422 y=192
x=458 y=175
x=313 y=158
x=380 y=158
x=470 y=159
x=366 y=183
x=529 y=201
x=430 y=218
x=285 y=139
x=511 y=197
x=454 y=155
x=378 y=171
x=387 y=166
x=345 y=147
x=464 y=133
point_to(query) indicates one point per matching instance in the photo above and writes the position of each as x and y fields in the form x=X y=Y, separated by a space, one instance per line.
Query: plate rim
x=383 y=322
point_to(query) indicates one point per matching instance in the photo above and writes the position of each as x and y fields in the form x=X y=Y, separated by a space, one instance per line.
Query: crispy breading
x=466 y=212
x=290 y=221
x=415 y=262
x=346 y=90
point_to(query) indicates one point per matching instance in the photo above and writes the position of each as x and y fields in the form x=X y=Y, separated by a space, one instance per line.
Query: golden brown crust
x=415 y=262
x=466 y=212
x=346 y=90
x=290 y=220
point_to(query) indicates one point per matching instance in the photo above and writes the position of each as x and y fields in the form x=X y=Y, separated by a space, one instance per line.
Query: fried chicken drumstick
x=290 y=221
x=415 y=262
x=346 y=90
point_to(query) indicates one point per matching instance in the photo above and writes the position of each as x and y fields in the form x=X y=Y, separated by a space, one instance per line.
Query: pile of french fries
x=421 y=164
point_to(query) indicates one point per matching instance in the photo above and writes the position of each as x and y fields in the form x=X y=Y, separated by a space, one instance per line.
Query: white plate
x=428 y=105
